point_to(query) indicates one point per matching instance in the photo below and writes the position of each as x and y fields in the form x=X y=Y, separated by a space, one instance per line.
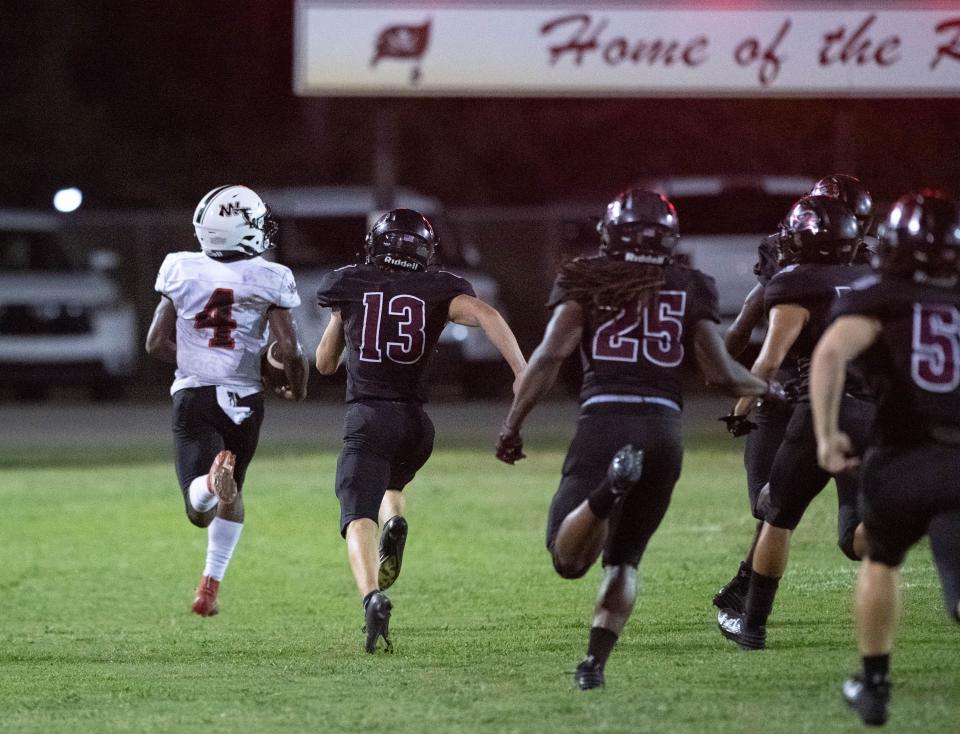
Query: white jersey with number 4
x=222 y=316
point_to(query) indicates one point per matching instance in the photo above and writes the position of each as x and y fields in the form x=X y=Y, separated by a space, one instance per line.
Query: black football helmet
x=402 y=239
x=851 y=192
x=920 y=239
x=819 y=229
x=639 y=226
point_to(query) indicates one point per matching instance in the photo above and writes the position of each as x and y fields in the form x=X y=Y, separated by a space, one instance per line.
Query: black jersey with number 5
x=914 y=365
x=391 y=322
x=638 y=350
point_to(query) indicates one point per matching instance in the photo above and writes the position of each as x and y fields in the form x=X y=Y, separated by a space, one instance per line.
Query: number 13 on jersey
x=405 y=316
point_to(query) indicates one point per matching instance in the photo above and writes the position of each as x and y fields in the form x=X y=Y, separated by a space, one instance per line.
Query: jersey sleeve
x=787 y=286
x=457 y=286
x=705 y=304
x=866 y=298
x=163 y=286
x=288 y=296
x=558 y=293
x=333 y=289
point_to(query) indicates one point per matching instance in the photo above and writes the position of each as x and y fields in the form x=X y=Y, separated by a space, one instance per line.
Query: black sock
x=368 y=597
x=744 y=571
x=601 y=500
x=760 y=597
x=602 y=641
x=876 y=669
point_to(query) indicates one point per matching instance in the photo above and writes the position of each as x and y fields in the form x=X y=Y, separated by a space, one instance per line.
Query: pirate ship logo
x=403 y=42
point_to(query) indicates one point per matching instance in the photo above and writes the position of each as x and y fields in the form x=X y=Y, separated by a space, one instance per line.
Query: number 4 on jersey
x=217 y=314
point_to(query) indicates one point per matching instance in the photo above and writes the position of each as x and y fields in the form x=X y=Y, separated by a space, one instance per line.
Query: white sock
x=201 y=498
x=222 y=537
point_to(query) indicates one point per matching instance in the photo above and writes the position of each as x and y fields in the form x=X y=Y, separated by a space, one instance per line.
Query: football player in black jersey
x=903 y=327
x=636 y=317
x=766 y=431
x=387 y=315
x=817 y=249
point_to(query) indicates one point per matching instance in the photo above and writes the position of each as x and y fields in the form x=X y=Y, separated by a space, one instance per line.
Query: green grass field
x=99 y=565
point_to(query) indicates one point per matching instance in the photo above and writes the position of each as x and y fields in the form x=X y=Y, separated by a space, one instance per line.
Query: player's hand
x=510 y=446
x=835 y=454
x=776 y=393
x=738 y=425
x=288 y=393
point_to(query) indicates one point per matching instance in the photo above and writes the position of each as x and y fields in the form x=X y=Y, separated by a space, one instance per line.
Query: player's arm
x=469 y=311
x=751 y=314
x=719 y=369
x=283 y=330
x=786 y=322
x=845 y=339
x=561 y=337
x=162 y=335
x=331 y=345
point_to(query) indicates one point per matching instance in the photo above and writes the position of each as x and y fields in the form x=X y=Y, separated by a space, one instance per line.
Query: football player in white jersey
x=212 y=322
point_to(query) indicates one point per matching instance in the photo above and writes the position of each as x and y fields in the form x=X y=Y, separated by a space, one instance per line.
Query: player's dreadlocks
x=608 y=284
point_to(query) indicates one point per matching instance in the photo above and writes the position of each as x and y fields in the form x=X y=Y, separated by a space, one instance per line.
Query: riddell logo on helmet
x=397 y=262
x=635 y=257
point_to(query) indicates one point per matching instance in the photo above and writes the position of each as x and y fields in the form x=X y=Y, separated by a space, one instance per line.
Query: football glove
x=510 y=446
x=738 y=425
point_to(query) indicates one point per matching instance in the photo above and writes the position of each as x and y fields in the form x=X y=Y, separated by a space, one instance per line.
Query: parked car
x=62 y=320
x=324 y=227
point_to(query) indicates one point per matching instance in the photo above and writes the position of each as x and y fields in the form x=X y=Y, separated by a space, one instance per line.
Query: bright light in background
x=68 y=200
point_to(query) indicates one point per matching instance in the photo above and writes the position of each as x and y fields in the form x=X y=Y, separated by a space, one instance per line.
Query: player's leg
x=944 y=531
x=371 y=434
x=758 y=455
x=223 y=533
x=895 y=518
x=582 y=531
x=795 y=479
x=198 y=446
x=414 y=449
x=631 y=527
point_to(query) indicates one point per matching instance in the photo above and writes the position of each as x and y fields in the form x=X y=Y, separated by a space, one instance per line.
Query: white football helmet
x=233 y=219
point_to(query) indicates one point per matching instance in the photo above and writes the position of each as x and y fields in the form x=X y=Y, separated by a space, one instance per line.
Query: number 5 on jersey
x=405 y=317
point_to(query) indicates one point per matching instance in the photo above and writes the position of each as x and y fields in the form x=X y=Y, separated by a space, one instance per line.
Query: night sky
x=150 y=104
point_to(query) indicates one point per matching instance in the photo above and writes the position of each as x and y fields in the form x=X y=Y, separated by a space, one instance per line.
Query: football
x=271 y=368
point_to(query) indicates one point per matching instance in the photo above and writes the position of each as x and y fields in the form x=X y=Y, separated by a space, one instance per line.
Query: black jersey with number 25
x=392 y=321
x=638 y=351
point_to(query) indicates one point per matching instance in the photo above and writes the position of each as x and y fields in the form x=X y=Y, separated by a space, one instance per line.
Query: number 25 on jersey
x=660 y=340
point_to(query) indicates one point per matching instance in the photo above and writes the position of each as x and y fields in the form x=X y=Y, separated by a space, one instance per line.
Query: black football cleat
x=870 y=702
x=733 y=595
x=392 y=539
x=733 y=626
x=625 y=469
x=589 y=674
x=377 y=616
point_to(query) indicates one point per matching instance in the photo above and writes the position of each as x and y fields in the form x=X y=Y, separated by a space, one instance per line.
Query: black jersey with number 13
x=392 y=321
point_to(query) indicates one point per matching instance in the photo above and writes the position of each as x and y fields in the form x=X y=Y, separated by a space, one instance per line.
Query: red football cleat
x=220 y=480
x=205 y=604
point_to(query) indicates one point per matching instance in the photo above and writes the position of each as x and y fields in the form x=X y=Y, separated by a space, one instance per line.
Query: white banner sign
x=414 y=49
